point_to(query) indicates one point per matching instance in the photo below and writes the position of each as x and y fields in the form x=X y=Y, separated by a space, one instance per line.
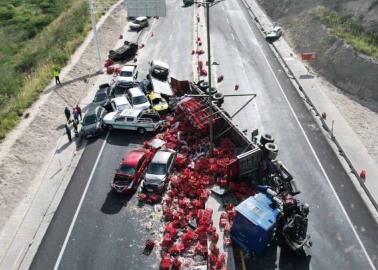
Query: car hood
x=142 y=106
x=110 y=116
x=90 y=128
x=153 y=179
x=125 y=79
x=161 y=106
x=133 y=24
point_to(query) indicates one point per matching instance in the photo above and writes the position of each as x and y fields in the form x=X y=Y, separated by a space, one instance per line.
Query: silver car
x=139 y=23
x=92 y=122
x=158 y=170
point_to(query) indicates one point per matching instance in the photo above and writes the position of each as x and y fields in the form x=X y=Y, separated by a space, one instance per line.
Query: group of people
x=76 y=113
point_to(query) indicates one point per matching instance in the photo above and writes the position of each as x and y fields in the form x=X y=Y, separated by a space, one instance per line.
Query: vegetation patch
x=36 y=36
x=349 y=30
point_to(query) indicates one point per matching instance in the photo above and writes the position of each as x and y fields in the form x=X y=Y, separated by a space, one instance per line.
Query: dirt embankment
x=350 y=71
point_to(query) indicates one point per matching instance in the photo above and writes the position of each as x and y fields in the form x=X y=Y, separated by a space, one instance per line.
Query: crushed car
x=92 y=122
x=158 y=170
x=139 y=120
x=126 y=52
x=130 y=170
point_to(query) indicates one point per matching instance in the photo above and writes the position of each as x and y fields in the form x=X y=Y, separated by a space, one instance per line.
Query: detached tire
x=141 y=130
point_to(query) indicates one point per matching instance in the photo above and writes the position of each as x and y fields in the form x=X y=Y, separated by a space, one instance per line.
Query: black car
x=126 y=52
x=102 y=96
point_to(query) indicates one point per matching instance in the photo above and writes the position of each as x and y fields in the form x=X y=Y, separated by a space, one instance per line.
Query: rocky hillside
x=343 y=33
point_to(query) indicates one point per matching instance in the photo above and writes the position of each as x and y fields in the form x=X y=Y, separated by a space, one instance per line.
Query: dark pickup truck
x=126 y=52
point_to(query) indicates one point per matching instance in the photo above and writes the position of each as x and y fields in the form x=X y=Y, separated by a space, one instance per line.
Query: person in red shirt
x=78 y=110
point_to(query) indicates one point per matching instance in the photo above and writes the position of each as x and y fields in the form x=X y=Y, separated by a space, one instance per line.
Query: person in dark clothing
x=78 y=109
x=68 y=132
x=67 y=112
x=74 y=125
x=75 y=115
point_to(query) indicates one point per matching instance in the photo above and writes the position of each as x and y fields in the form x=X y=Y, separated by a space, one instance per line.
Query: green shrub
x=349 y=30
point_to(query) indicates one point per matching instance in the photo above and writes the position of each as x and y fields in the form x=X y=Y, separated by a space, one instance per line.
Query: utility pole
x=211 y=131
x=93 y=20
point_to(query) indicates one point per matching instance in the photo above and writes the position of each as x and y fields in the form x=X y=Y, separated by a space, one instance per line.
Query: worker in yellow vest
x=56 y=75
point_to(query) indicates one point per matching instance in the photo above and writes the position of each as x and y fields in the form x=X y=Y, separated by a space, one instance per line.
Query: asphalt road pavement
x=246 y=60
x=110 y=230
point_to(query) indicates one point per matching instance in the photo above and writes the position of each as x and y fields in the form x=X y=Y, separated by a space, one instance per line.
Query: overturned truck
x=273 y=212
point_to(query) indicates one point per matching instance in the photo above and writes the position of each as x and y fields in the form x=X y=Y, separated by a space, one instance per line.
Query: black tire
x=203 y=85
x=218 y=98
x=212 y=92
x=109 y=127
x=266 y=138
x=271 y=150
x=141 y=130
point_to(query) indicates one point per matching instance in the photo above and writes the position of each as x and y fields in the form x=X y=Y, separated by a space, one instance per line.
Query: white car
x=120 y=104
x=139 y=23
x=138 y=99
x=127 y=77
x=139 y=120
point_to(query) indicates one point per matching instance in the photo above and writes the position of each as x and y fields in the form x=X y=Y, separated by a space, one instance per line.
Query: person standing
x=78 y=110
x=68 y=132
x=56 y=75
x=67 y=112
x=75 y=115
x=74 y=125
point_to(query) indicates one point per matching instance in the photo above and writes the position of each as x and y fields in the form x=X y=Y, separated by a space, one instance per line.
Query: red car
x=129 y=172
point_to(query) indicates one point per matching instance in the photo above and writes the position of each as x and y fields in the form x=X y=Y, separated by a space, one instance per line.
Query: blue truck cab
x=254 y=223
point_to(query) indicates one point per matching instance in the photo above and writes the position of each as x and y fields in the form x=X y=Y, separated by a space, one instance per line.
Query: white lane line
x=227 y=21
x=222 y=7
x=80 y=204
x=170 y=37
x=318 y=161
x=232 y=35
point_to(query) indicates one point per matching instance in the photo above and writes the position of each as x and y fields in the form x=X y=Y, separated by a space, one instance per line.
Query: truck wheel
x=141 y=130
x=212 y=92
x=266 y=138
x=203 y=85
x=218 y=98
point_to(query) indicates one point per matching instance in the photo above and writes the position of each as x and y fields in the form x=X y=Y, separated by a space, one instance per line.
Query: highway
x=95 y=229
x=109 y=230
x=245 y=59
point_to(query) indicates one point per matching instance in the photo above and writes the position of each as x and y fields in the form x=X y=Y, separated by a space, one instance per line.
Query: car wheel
x=109 y=127
x=212 y=92
x=141 y=130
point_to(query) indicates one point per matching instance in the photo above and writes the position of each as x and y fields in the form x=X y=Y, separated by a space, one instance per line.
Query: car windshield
x=126 y=169
x=139 y=100
x=157 y=101
x=123 y=107
x=157 y=169
x=126 y=74
x=100 y=97
x=89 y=120
x=160 y=69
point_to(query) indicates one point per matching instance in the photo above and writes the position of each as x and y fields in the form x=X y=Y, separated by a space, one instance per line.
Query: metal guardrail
x=308 y=100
